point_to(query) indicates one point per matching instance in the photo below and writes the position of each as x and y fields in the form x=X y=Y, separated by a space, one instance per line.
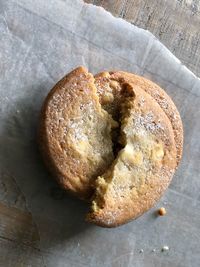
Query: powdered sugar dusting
x=146 y=121
x=164 y=103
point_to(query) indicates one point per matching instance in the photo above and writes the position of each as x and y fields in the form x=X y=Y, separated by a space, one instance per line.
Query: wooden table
x=176 y=23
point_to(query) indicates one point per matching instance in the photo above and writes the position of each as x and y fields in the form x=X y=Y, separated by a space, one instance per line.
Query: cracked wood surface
x=175 y=23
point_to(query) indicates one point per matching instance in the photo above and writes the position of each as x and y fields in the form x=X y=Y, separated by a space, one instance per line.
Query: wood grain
x=13 y=254
x=18 y=226
x=19 y=238
x=176 y=23
x=10 y=193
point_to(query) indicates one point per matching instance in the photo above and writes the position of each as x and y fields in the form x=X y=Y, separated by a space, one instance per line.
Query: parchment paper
x=42 y=40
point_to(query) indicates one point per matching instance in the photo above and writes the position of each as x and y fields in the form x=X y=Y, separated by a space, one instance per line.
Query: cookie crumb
x=165 y=248
x=162 y=211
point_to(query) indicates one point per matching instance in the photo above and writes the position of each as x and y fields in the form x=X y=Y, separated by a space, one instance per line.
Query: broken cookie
x=115 y=139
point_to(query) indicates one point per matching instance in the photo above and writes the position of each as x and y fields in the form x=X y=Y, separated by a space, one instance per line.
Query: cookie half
x=75 y=133
x=143 y=168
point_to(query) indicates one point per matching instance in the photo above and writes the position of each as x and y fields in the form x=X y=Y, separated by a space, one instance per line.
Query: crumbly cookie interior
x=90 y=137
x=139 y=153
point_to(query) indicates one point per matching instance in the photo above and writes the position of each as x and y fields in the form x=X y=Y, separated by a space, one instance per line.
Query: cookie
x=144 y=166
x=115 y=139
x=75 y=133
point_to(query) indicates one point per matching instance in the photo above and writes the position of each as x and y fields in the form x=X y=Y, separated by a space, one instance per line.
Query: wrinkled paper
x=40 y=41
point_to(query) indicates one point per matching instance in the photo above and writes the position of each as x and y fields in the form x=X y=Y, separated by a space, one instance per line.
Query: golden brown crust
x=77 y=145
x=103 y=80
x=71 y=145
x=131 y=189
x=114 y=217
